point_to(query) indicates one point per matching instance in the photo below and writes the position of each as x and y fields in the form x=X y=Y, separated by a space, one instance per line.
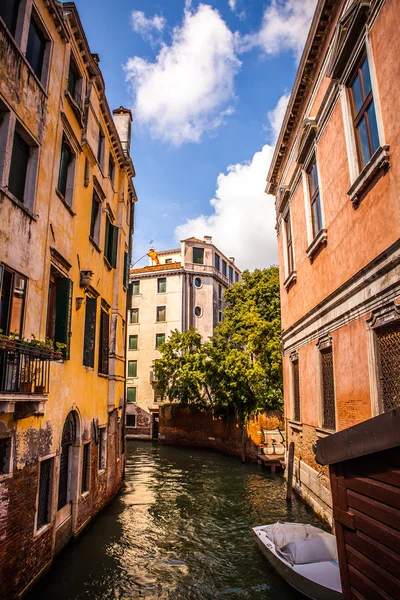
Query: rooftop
x=149 y=269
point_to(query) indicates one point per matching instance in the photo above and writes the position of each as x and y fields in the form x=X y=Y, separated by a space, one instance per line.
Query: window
x=74 y=85
x=111 y=243
x=95 y=219
x=236 y=276
x=388 y=343
x=328 y=389
x=131 y=420
x=289 y=244
x=19 y=167
x=133 y=342
x=161 y=314
x=198 y=256
x=157 y=397
x=45 y=492
x=102 y=456
x=104 y=342
x=132 y=368
x=296 y=390
x=35 y=51
x=161 y=285
x=315 y=199
x=12 y=300
x=131 y=394
x=100 y=147
x=111 y=168
x=219 y=292
x=364 y=116
x=66 y=172
x=85 y=483
x=9 y=14
x=127 y=266
x=197 y=311
x=197 y=282
x=220 y=316
x=5 y=455
x=224 y=268
x=160 y=339
x=230 y=274
x=135 y=288
x=59 y=310
x=168 y=261
x=217 y=261
x=134 y=315
x=90 y=332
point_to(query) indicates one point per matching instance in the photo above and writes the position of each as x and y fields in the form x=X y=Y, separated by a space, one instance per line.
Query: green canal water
x=181 y=528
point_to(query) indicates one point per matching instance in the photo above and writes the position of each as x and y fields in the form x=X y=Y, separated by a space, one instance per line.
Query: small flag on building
x=153 y=255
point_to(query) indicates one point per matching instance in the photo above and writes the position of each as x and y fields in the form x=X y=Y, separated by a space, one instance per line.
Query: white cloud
x=232 y=4
x=285 y=26
x=147 y=26
x=243 y=221
x=276 y=115
x=187 y=90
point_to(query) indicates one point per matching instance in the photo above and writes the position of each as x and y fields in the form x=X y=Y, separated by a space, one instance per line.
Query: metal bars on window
x=389 y=357
x=296 y=390
x=85 y=467
x=328 y=389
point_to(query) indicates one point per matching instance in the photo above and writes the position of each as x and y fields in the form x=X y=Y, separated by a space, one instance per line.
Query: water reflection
x=180 y=529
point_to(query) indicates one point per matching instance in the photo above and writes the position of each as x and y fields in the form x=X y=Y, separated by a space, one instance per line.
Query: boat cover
x=311 y=550
x=281 y=533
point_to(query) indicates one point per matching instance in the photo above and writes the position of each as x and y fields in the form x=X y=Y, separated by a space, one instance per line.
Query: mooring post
x=290 y=472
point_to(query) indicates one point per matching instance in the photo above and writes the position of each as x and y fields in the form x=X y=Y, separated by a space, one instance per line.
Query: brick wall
x=188 y=427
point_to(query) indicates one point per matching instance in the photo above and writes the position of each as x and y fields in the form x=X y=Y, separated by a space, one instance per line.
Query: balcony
x=24 y=377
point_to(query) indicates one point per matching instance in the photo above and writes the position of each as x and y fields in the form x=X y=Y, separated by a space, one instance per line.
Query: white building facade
x=185 y=290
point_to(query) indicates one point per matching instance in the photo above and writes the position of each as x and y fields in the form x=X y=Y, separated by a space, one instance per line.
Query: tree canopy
x=238 y=371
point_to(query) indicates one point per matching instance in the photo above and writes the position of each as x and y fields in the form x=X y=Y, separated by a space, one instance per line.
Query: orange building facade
x=336 y=178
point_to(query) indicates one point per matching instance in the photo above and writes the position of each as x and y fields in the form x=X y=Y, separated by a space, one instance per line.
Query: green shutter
x=62 y=331
x=114 y=246
x=90 y=332
x=131 y=394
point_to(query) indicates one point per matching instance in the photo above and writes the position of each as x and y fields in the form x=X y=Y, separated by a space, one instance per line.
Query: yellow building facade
x=66 y=222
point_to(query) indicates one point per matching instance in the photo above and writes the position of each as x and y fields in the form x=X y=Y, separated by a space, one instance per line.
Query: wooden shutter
x=90 y=332
x=104 y=342
x=127 y=264
x=62 y=331
x=113 y=245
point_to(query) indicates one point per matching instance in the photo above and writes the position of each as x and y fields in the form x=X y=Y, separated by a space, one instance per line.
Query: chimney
x=208 y=239
x=123 y=120
x=232 y=259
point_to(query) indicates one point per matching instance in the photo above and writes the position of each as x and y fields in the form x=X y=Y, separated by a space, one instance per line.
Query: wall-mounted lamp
x=79 y=302
x=86 y=278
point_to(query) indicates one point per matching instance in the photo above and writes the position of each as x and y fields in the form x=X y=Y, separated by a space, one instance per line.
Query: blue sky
x=208 y=84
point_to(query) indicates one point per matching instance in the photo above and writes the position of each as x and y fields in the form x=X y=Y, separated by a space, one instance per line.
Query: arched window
x=67 y=439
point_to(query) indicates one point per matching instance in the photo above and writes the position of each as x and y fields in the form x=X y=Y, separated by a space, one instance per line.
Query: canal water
x=180 y=529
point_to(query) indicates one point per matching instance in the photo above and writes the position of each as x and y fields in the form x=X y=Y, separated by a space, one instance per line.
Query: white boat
x=305 y=556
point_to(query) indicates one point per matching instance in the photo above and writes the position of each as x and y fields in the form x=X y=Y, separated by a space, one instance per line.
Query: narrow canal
x=180 y=529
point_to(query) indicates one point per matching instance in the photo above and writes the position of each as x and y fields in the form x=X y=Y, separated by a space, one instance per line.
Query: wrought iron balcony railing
x=24 y=369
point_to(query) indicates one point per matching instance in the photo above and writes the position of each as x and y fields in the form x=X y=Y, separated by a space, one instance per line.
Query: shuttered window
x=160 y=339
x=111 y=243
x=133 y=342
x=18 y=168
x=104 y=342
x=132 y=368
x=63 y=313
x=131 y=394
x=90 y=332
x=45 y=488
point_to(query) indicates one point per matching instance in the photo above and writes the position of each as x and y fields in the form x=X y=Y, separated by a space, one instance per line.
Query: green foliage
x=239 y=370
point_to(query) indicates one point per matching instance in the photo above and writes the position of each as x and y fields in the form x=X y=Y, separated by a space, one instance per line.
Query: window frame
x=13 y=274
x=128 y=388
x=196 y=261
x=217 y=261
x=161 y=309
x=157 y=345
x=133 y=283
x=7 y=438
x=15 y=127
x=95 y=225
x=52 y=503
x=132 y=311
x=132 y=417
x=133 y=363
x=90 y=331
x=68 y=194
x=314 y=196
x=48 y=43
x=102 y=449
x=289 y=243
x=86 y=460
x=77 y=93
x=161 y=280
x=133 y=336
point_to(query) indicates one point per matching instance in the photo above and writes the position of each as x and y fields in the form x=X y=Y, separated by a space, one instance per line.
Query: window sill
x=42 y=530
x=85 y=495
x=18 y=203
x=296 y=426
x=105 y=375
x=377 y=166
x=67 y=206
x=75 y=107
x=290 y=280
x=94 y=243
x=106 y=262
x=319 y=242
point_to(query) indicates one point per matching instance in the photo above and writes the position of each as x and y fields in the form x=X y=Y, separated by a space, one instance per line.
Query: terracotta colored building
x=66 y=217
x=185 y=290
x=336 y=178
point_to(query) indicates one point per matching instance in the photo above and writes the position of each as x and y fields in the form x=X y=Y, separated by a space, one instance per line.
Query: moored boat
x=305 y=556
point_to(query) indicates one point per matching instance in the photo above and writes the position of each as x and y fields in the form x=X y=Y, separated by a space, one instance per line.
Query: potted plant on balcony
x=10 y=341
x=27 y=378
x=58 y=354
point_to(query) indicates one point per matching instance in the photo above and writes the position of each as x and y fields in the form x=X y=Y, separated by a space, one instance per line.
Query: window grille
x=389 y=355
x=44 y=504
x=85 y=467
x=328 y=390
x=296 y=390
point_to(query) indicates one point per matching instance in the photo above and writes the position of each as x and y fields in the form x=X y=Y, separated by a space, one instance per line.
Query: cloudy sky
x=208 y=83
